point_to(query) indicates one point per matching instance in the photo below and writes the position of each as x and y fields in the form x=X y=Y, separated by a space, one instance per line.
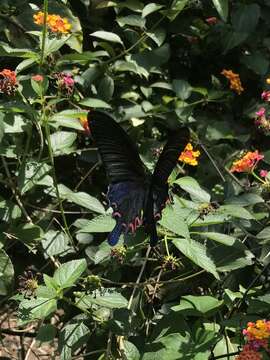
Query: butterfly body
x=136 y=196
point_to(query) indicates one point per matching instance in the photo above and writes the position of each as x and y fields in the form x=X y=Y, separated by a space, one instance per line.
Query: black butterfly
x=136 y=196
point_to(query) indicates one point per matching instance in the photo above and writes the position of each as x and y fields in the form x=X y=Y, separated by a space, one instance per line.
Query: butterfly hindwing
x=127 y=200
x=119 y=154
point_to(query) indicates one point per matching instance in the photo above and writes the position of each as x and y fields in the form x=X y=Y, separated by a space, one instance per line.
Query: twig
x=29 y=351
x=18 y=332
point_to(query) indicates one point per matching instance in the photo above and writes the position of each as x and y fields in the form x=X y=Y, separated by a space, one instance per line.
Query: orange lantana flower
x=188 y=156
x=235 y=82
x=85 y=125
x=247 y=162
x=8 y=82
x=55 y=23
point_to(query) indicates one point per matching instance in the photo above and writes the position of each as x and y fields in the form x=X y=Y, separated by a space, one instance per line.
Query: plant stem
x=48 y=138
x=257 y=177
x=44 y=32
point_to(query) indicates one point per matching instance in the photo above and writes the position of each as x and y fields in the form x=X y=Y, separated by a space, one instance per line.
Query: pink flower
x=265 y=95
x=263 y=173
x=68 y=80
x=260 y=112
x=211 y=20
x=38 y=78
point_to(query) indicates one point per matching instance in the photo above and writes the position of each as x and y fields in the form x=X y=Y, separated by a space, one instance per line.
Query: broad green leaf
x=182 y=89
x=55 y=243
x=94 y=103
x=82 y=199
x=130 y=351
x=219 y=237
x=245 y=199
x=68 y=273
x=108 y=36
x=171 y=220
x=6 y=273
x=222 y=8
x=33 y=173
x=110 y=299
x=72 y=336
x=150 y=8
x=176 y=8
x=236 y=211
x=28 y=234
x=197 y=253
x=62 y=142
x=264 y=234
x=46 y=333
x=100 y=253
x=68 y=118
x=100 y=224
x=197 y=305
x=106 y=88
x=191 y=186
x=34 y=309
x=131 y=20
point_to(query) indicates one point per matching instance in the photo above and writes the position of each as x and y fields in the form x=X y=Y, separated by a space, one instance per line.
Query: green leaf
x=46 y=333
x=28 y=234
x=62 y=142
x=108 y=36
x=68 y=118
x=82 y=199
x=72 y=336
x=33 y=173
x=2 y=127
x=191 y=186
x=100 y=253
x=182 y=89
x=94 y=103
x=106 y=88
x=222 y=8
x=172 y=221
x=109 y=299
x=100 y=224
x=131 y=20
x=34 y=309
x=6 y=274
x=198 y=305
x=176 y=8
x=236 y=211
x=68 y=273
x=55 y=243
x=219 y=237
x=130 y=351
x=197 y=253
x=150 y=8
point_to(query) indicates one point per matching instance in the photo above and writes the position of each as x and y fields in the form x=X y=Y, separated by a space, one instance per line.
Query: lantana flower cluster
x=55 y=23
x=235 y=82
x=189 y=156
x=247 y=163
x=257 y=335
x=8 y=82
x=262 y=121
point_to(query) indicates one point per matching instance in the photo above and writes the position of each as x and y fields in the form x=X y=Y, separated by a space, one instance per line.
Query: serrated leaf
x=191 y=186
x=108 y=36
x=55 y=243
x=62 y=142
x=197 y=253
x=100 y=224
x=110 y=299
x=236 y=211
x=81 y=198
x=33 y=309
x=68 y=273
x=219 y=237
x=198 y=305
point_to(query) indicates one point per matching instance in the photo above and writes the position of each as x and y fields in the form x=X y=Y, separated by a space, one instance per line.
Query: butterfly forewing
x=119 y=154
x=169 y=156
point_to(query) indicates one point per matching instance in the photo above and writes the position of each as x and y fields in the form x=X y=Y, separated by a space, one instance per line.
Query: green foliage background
x=153 y=66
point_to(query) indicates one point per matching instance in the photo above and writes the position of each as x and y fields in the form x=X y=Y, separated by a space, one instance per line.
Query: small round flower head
x=261 y=112
x=65 y=82
x=55 y=23
x=189 y=156
x=263 y=173
x=8 y=82
x=249 y=354
x=235 y=82
x=265 y=95
x=247 y=163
